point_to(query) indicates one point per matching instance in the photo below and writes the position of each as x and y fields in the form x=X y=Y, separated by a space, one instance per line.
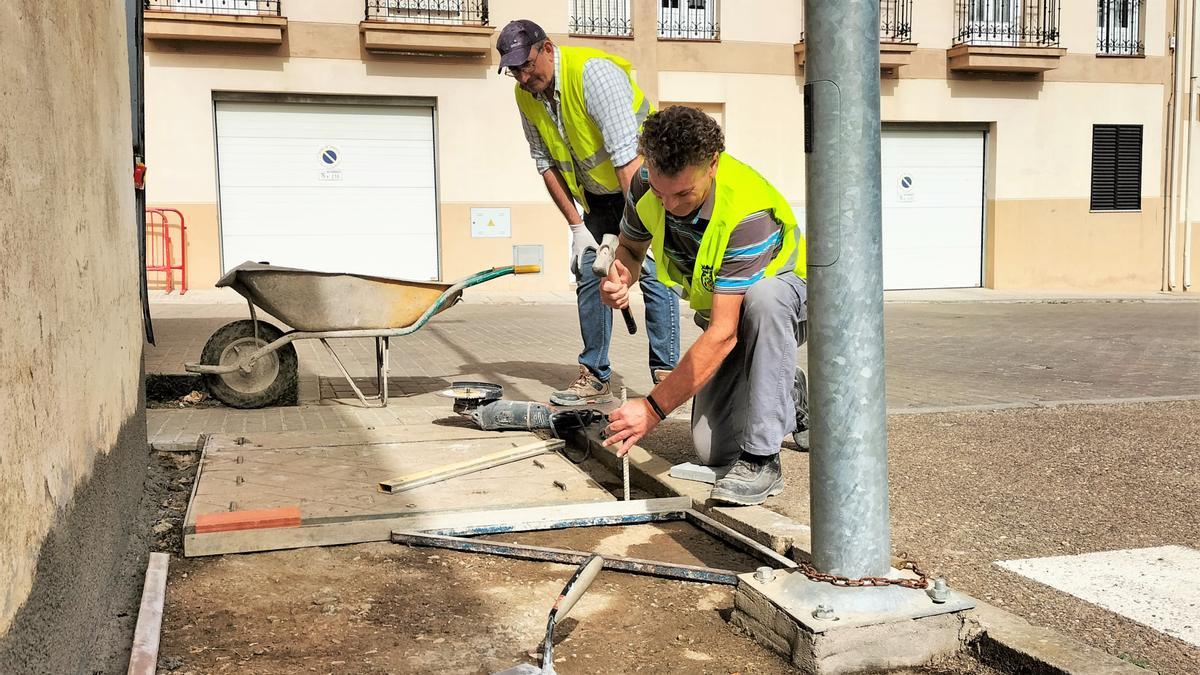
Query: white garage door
x=337 y=188
x=932 y=208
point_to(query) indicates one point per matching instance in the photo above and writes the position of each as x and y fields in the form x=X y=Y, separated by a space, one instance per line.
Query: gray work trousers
x=749 y=404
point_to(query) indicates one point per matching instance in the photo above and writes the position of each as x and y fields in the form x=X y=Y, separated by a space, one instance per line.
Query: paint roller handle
x=578 y=584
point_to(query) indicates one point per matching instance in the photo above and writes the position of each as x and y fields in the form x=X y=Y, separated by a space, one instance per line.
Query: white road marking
x=1156 y=587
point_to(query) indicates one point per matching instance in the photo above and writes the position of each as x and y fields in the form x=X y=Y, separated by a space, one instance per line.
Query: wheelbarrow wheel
x=271 y=378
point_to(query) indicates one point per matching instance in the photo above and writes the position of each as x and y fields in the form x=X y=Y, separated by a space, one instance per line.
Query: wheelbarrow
x=252 y=363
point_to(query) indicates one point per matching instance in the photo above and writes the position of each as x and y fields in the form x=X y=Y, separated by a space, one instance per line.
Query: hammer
x=605 y=255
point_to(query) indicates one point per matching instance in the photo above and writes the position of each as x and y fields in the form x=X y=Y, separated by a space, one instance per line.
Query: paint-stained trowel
x=571 y=593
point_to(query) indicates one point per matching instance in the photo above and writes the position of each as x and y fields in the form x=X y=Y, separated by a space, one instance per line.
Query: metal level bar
x=848 y=492
x=655 y=568
x=564 y=523
x=549 y=517
x=738 y=540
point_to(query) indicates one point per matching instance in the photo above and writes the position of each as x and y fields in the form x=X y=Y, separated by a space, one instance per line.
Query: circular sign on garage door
x=904 y=188
x=330 y=156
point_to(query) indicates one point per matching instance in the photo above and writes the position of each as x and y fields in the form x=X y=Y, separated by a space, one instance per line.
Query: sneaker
x=750 y=482
x=659 y=375
x=587 y=388
x=800 y=438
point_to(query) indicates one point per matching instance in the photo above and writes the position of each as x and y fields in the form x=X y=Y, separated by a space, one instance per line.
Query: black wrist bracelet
x=654 y=406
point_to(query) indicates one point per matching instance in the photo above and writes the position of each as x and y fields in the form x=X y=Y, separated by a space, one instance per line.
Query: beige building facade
x=394 y=147
x=73 y=429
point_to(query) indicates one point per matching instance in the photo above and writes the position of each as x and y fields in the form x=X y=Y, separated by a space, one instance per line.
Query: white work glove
x=581 y=240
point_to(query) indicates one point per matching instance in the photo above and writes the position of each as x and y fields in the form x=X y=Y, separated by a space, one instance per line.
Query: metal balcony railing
x=895 y=21
x=689 y=19
x=1119 y=27
x=1008 y=23
x=234 y=7
x=442 y=12
x=600 y=17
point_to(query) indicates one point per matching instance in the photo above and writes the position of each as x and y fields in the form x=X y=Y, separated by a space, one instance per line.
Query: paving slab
x=333 y=489
x=1153 y=586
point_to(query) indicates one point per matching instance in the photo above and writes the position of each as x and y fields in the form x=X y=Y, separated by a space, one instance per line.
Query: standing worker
x=581 y=112
x=729 y=240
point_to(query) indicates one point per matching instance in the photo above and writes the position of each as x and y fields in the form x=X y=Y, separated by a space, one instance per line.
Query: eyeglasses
x=524 y=69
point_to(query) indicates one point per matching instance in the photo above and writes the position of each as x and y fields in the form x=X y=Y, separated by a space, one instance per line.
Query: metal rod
x=625 y=458
x=655 y=568
x=848 y=493
x=738 y=540
x=346 y=374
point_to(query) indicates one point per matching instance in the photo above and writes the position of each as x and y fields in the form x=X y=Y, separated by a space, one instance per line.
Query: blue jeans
x=596 y=320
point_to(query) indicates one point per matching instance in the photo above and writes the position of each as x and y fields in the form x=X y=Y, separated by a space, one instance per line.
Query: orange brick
x=287 y=516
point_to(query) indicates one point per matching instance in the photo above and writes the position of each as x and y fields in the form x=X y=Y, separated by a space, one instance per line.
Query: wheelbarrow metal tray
x=329 y=301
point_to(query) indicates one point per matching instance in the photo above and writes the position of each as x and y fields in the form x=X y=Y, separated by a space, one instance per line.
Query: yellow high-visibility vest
x=584 y=137
x=740 y=191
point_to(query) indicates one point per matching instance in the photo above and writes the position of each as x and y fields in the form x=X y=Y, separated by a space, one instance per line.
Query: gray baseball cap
x=515 y=41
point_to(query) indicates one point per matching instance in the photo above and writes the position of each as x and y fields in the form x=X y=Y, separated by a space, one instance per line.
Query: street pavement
x=1018 y=429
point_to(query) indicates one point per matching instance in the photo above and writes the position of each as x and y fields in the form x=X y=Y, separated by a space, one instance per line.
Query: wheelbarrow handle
x=467 y=282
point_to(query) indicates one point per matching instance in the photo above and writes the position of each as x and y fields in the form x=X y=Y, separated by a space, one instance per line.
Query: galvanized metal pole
x=849 y=478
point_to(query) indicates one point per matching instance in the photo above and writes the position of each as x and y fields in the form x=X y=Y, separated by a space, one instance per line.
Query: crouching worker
x=727 y=241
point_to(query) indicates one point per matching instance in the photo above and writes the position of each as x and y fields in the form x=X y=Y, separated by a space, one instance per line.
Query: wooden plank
x=288 y=516
x=655 y=568
x=143 y=660
x=516 y=519
x=448 y=471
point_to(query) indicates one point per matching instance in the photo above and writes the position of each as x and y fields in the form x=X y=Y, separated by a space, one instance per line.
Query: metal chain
x=920 y=583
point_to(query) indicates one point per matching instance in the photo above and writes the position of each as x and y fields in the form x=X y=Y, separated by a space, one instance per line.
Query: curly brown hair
x=678 y=137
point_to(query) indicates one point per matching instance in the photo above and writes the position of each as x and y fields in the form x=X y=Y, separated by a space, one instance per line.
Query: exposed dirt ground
x=972 y=488
x=387 y=608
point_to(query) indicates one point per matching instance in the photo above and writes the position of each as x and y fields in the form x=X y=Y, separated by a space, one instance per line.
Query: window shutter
x=1116 y=167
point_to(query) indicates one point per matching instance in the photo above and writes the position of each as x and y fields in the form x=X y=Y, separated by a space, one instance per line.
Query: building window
x=600 y=17
x=443 y=12
x=251 y=7
x=1116 y=167
x=1119 y=27
x=688 y=20
x=1011 y=23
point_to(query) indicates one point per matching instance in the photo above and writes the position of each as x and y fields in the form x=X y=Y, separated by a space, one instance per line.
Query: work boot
x=658 y=375
x=800 y=394
x=587 y=388
x=752 y=479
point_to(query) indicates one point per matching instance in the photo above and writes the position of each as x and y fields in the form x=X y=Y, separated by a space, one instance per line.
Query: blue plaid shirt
x=609 y=99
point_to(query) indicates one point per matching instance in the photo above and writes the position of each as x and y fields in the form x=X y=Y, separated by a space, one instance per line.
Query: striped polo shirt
x=753 y=244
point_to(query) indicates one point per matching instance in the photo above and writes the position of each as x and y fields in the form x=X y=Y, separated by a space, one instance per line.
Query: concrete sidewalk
x=994 y=459
x=938 y=354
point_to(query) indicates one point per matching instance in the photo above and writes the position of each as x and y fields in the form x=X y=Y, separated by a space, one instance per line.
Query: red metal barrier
x=164 y=247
